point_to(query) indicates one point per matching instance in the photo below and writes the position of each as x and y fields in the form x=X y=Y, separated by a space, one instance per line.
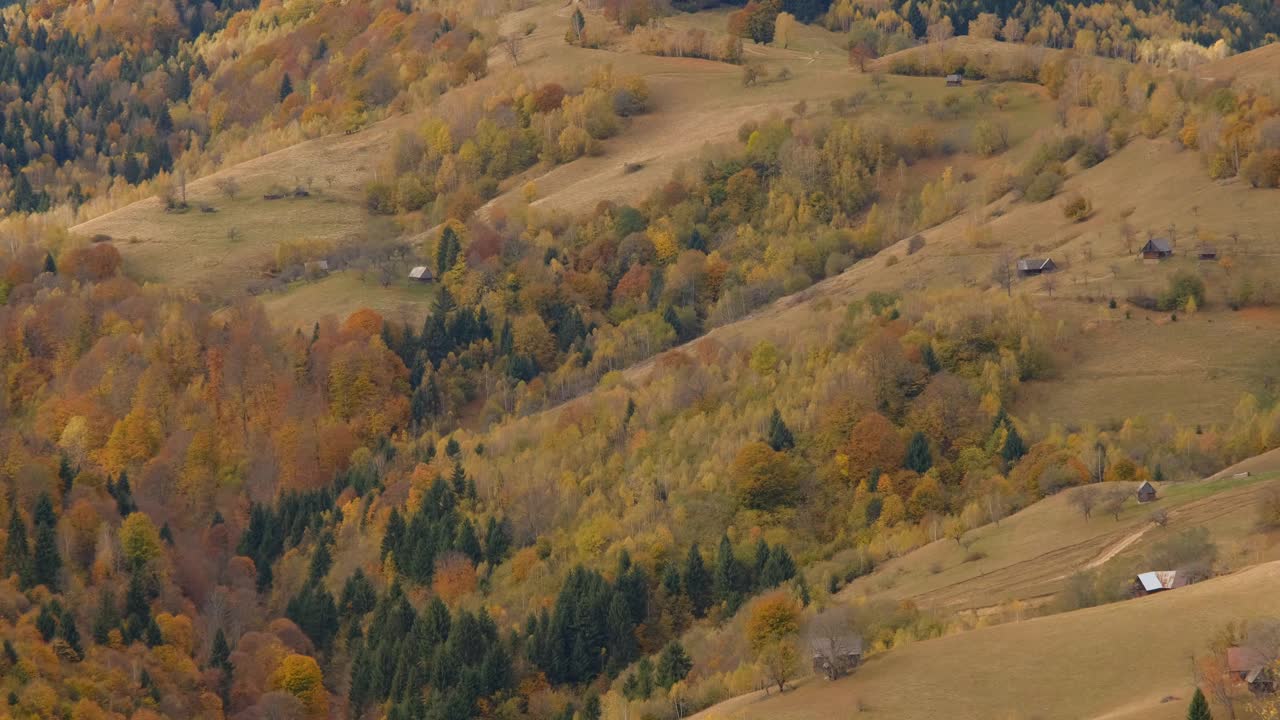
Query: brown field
x=403 y=301
x=1260 y=67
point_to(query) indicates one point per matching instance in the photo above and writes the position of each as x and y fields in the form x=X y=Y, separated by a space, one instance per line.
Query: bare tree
x=513 y=44
x=1050 y=284
x=1002 y=272
x=836 y=645
x=1085 y=499
x=1160 y=517
x=1113 y=502
x=228 y=186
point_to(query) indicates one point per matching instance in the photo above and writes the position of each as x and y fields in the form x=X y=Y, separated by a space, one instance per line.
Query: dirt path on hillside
x=1118 y=548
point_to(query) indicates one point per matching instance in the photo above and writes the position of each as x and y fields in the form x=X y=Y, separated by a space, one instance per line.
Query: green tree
x=697 y=581
x=50 y=266
x=780 y=437
x=286 y=87
x=1199 y=708
x=673 y=665
x=220 y=654
x=919 y=457
x=17 y=551
x=1013 y=448
x=46 y=562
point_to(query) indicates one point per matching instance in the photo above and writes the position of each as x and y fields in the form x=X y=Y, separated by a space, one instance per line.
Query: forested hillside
x=634 y=455
x=104 y=96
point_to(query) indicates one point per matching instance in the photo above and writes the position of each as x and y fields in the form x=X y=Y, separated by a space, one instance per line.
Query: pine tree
x=286 y=87
x=447 y=250
x=780 y=437
x=46 y=623
x=50 y=267
x=697 y=582
x=106 y=619
x=673 y=665
x=220 y=654
x=17 y=552
x=919 y=457
x=779 y=568
x=358 y=595
x=930 y=358
x=394 y=535
x=68 y=632
x=497 y=541
x=65 y=473
x=1013 y=448
x=1199 y=708
x=577 y=24
x=46 y=562
x=919 y=26
x=467 y=543
x=730 y=580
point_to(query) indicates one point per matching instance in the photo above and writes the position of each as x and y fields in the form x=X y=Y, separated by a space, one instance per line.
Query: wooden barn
x=1157 y=249
x=422 y=274
x=1207 y=252
x=1149 y=583
x=1250 y=667
x=955 y=80
x=836 y=657
x=1029 y=267
x=1146 y=492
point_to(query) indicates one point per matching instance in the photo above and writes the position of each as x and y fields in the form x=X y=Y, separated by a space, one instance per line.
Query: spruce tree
x=220 y=654
x=49 y=265
x=66 y=474
x=17 y=551
x=358 y=595
x=68 y=632
x=673 y=665
x=780 y=437
x=697 y=582
x=46 y=623
x=46 y=562
x=1014 y=448
x=106 y=619
x=779 y=569
x=497 y=541
x=919 y=457
x=730 y=576
x=286 y=87
x=930 y=358
x=1199 y=708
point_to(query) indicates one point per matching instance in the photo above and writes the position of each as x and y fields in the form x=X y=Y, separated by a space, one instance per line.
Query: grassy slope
x=1259 y=67
x=1028 y=556
x=695 y=102
x=1140 y=366
x=1114 y=661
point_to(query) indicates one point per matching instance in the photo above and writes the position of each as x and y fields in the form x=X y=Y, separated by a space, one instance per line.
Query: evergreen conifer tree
x=697 y=582
x=780 y=437
x=1199 y=708
x=919 y=457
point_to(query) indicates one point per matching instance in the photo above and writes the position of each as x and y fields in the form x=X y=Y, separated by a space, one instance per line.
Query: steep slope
x=1259 y=67
x=1125 y=660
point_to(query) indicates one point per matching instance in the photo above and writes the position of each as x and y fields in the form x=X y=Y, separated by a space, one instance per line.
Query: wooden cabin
x=1146 y=492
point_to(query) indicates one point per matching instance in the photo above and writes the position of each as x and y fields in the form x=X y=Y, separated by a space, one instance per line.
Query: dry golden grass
x=403 y=301
x=1259 y=67
x=1115 y=661
x=1029 y=555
